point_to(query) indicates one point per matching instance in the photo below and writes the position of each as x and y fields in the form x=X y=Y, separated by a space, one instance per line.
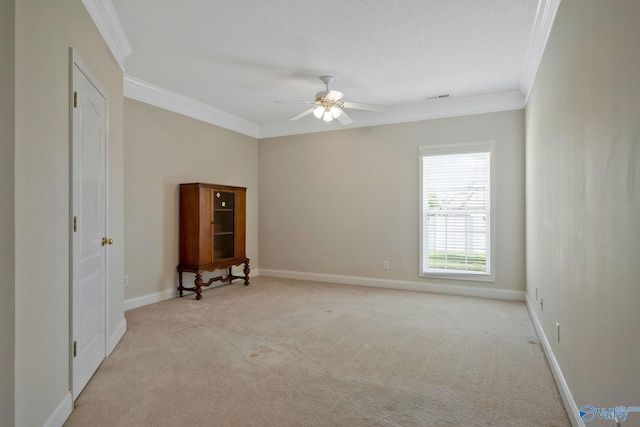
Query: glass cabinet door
x=223 y=225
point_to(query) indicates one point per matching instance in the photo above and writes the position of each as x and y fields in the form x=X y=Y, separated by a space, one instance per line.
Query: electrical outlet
x=126 y=280
x=385 y=265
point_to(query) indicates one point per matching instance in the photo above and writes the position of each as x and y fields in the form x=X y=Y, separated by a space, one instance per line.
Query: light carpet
x=293 y=353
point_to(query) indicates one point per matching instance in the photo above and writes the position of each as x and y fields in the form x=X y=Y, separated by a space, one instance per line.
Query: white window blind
x=456 y=209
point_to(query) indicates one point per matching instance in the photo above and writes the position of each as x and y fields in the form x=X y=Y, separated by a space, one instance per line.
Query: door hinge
x=75 y=224
x=75 y=348
x=75 y=99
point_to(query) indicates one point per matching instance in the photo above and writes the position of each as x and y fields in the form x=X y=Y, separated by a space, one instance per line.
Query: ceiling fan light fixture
x=328 y=105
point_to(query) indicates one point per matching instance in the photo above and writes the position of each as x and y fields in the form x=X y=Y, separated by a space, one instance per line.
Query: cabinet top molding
x=221 y=187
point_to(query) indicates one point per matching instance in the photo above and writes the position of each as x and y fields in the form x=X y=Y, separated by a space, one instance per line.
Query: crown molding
x=155 y=95
x=149 y=93
x=105 y=17
x=542 y=25
x=434 y=109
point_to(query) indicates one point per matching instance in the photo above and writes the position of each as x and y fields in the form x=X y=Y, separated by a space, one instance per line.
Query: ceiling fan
x=328 y=105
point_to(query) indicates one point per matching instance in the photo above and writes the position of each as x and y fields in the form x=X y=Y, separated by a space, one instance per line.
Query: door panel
x=89 y=209
x=89 y=297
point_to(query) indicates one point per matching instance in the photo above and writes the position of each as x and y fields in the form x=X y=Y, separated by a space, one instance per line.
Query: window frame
x=451 y=149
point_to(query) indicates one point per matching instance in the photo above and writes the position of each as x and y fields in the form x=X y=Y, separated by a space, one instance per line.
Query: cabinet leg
x=246 y=273
x=180 y=288
x=230 y=276
x=198 y=286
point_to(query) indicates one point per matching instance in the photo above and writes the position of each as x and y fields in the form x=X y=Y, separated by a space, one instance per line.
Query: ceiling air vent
x=446 y=95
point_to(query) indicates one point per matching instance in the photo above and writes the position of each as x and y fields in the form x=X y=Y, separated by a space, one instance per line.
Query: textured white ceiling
x=242 y=55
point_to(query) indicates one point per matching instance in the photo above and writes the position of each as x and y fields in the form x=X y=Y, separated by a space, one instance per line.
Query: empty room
x=356 y=213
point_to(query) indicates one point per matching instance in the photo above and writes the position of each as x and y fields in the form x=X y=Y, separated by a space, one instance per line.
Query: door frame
x=76 y=60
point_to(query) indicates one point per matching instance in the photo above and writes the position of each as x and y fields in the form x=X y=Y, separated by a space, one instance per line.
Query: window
x=455 y=211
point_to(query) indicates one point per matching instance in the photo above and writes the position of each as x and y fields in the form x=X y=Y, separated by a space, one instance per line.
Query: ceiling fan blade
x=334 y=95
x=344 y=119
x=304 y=113
x=295 y=102
x=367 y=107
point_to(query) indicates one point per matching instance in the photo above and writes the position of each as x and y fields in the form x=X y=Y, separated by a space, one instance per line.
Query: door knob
x=106 y=241
x=110 y=241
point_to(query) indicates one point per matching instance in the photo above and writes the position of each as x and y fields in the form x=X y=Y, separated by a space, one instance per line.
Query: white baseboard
x=150 y=298
x=472 y=291
x=140 y=301
x=61 y=413
x=117 y=335
x=567 y=398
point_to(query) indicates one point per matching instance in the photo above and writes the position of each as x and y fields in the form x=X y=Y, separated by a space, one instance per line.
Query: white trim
x=131 y=303
x=470 y=276
x=107 y=219
x=567 y=398
x=105 y=17
x=149 y=93
x=459 y=148
x=542 y=25
x=428 y=110
x=116 y=336
x=438 y=288
x=154 y=297
x=61 y=413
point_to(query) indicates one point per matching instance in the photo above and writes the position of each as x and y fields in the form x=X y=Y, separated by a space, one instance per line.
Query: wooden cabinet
x=212 y=233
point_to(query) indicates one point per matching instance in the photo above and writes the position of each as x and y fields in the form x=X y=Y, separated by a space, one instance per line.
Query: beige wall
x=7 y=207
x=583 y=198
x=162 y=150
x=342 y=202
x=44 y=32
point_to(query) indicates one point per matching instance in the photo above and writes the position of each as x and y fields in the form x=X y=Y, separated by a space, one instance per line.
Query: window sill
x=477 y=277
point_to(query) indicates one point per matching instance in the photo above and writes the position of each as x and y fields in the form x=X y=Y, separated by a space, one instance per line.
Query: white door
x=89 y=227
